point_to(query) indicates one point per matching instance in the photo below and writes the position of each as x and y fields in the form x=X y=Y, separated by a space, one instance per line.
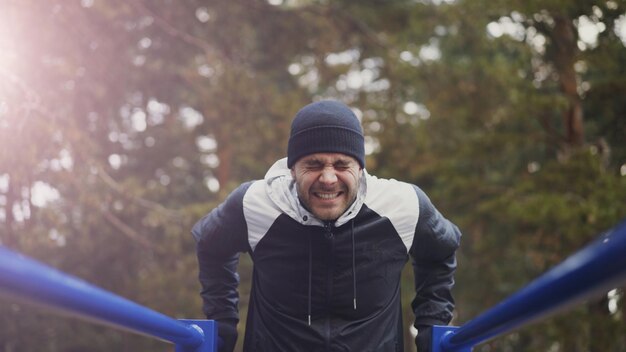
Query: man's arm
x=220 y=236
x=434 y=263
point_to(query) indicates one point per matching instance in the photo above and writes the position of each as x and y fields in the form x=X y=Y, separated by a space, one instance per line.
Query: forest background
x=123 y=122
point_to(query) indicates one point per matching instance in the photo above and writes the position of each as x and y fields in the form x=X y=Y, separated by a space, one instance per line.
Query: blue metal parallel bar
x=596 y=269
x=29 y=281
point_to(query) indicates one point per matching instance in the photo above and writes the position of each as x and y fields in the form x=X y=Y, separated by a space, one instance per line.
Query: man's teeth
x=327 y=195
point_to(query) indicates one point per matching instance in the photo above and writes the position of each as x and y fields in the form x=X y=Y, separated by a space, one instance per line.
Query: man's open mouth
x=327 y=195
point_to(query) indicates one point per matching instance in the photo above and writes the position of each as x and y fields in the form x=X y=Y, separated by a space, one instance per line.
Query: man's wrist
x=227 y=332
x=423 y=340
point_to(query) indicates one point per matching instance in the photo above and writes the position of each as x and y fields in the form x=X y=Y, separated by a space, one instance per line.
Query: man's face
x=327 y=183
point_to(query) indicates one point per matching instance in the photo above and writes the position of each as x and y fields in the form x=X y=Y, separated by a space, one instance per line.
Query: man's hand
x=423 y=339
x=227 y=332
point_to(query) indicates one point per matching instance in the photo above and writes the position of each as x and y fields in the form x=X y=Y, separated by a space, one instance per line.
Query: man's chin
x=327 y=215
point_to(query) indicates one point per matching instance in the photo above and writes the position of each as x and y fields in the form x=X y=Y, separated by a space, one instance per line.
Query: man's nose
x=328 y=175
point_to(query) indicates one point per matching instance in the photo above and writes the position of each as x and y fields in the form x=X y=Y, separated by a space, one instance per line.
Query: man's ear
x=293 y=172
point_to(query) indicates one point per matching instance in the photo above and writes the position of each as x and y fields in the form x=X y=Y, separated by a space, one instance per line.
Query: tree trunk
x=564 y=41
x=9 y=236
x=225 y=156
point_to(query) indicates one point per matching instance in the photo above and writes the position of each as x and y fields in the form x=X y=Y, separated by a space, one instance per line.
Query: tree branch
x=127 y=230
x=170 y=29
x=148 y=204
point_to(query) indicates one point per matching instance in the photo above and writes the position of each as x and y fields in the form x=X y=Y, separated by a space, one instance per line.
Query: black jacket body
x=326 y=286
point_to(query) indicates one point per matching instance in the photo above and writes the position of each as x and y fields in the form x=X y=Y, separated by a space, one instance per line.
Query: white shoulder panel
x=396 y=201
x=259 y=211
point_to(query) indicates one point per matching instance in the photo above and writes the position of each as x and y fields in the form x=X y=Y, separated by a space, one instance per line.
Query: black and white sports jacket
x=326 y=286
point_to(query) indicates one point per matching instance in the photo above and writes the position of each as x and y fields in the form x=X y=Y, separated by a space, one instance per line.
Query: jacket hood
x=280 y=187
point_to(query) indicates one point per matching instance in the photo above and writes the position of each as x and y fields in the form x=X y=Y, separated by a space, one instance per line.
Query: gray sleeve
x=434 y=263
x=220 y=236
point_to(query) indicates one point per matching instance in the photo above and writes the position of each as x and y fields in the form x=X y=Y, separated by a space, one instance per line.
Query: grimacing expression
x=327 y=183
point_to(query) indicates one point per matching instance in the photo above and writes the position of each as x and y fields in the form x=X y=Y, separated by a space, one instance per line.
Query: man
x=328 y=242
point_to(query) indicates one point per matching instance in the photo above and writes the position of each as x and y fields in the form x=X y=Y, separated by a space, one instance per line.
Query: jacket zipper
x=330 y=236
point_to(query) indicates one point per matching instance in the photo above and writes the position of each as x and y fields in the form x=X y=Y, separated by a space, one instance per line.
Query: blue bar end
x=441 y=333
x=209 y=330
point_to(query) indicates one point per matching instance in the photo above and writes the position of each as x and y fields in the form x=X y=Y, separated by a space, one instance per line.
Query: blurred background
x=123 y=122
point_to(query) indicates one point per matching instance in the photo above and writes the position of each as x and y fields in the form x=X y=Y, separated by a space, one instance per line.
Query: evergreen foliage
x=134 y=119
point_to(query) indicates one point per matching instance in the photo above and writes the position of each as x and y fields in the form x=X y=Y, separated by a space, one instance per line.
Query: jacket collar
x=281 y=189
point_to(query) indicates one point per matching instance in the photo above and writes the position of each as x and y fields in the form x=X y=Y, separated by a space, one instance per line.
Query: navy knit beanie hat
x=326 y=126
